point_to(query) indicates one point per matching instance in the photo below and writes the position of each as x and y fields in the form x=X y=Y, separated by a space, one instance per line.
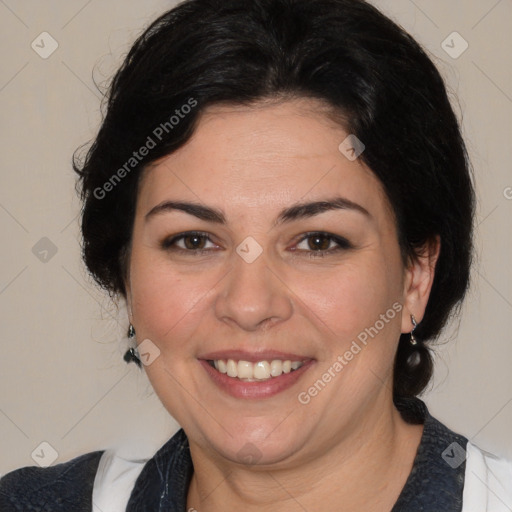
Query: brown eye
x=191 y=242
x=319 y=242
x=194 y=241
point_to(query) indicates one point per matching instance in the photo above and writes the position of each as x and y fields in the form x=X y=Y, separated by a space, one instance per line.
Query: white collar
x=487 y=482
x=114 y=482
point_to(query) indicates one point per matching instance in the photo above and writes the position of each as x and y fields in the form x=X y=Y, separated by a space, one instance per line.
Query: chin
x=256 y=440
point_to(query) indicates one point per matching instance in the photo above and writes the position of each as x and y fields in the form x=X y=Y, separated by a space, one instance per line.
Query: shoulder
x=63 y=487
x=488 y=481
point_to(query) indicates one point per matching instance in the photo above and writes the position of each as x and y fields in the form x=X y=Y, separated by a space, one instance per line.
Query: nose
x=253 y=296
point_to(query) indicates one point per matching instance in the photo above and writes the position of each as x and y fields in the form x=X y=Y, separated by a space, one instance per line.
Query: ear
x=128 y=298
x=419 y=277
x=124 y=263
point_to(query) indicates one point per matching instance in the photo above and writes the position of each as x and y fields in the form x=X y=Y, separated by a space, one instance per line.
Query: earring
x=413 y=341
x=132 y=354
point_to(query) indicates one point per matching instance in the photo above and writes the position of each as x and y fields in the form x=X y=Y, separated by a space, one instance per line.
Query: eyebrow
x=294 y=212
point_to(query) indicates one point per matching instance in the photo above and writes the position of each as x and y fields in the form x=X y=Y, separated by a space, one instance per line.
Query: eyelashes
x=317 y=244
x=320 y=237
x=195 y=237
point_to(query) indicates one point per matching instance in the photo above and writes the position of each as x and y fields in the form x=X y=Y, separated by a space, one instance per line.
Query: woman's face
x=262 y=277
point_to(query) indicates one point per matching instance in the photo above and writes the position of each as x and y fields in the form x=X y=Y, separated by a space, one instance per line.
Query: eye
x=320 y=244
x=315 y=244
x=191 y=242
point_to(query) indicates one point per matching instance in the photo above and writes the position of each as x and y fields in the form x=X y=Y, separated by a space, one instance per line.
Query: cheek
x=350 y=297
x=166 y=305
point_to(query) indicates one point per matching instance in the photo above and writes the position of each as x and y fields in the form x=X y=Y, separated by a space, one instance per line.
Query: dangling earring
x=132 y=354
x=413 y=341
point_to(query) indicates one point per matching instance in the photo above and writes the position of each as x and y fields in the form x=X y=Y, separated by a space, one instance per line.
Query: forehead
x=262 y=156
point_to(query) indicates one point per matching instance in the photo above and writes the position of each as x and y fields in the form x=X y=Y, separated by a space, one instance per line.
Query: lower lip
x=263 y=389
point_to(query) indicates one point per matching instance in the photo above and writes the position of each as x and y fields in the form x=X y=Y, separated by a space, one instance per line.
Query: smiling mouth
x=254 y=372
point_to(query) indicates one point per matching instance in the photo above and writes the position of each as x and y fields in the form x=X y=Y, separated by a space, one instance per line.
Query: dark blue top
x=435 y=483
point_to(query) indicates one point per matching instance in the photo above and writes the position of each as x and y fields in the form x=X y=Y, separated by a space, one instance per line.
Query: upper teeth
x=255 y=371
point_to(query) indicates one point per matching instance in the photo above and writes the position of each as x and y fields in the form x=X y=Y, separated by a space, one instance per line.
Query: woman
x=281 y=194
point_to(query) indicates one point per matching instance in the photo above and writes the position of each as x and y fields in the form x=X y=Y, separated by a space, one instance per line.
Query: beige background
x=63 y=380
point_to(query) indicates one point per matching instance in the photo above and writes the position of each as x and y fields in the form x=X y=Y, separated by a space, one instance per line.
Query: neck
x=365 y=470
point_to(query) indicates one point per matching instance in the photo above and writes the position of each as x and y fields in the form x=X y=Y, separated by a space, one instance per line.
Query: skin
x=348 y=445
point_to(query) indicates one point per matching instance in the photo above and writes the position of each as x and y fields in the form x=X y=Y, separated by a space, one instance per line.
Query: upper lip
x=252 y=356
